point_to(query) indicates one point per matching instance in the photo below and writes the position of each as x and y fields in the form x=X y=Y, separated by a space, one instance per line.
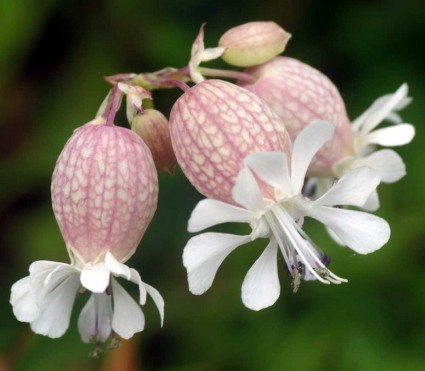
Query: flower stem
x=180 y=84
x=227 y=73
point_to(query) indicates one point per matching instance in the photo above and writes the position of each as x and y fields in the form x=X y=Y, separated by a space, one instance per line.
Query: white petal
x=394 y=118
x=380 y=110
x=335 y=237
x=358 y=123
x=95 y=277
x=40 y=271
x=306 y=145
x=372 y=203
x=128 y=317
x=29 y=293
x=158 y=300
x=261 y=288
x=271 y=167
x=246 y=191
x=360 y=231
x=24 y=303
x=130 y=274
x=203 y=255
x=396 y=135
x=56 y=307
x=117 y=268
x=135 y=278
x=386 y=163
x=353 y=188
x=95 y=320
x=212 y=212
x=377 y=106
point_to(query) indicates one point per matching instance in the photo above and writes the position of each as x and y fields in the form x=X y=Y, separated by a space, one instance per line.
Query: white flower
x=386 y=163
x=45 y=299
x=279 y=217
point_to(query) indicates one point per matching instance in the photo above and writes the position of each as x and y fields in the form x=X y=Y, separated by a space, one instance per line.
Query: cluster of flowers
x=248 y=146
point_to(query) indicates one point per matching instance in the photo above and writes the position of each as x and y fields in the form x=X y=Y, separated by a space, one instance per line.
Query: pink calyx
x=152 y=127
x=104 y=192
x=300 y=94
x=214 y=126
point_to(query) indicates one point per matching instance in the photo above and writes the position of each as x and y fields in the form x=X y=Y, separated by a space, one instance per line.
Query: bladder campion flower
x=104 y=195
x=300 y=94
x=279 y=217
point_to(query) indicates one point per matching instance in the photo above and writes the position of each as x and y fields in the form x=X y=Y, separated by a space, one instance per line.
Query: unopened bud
x=253 y=43
x=152 y=127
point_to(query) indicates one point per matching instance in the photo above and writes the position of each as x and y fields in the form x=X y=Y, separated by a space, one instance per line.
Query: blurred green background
x=53 y=55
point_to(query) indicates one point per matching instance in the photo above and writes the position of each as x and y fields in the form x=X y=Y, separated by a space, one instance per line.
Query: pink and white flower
x=104 y=195
x=300 y=94
x=279 y=217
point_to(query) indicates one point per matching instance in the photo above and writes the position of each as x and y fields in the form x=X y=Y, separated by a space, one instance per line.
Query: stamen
x=274 y=230
x=95 y=353
x=294 y=239
x=296 y=282
x=332 y=277
x=115 y=341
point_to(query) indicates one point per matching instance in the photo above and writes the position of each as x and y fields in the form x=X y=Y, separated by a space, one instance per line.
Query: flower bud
x=152 y=127
x=104 y=192
x=300 y=94
x=253 y=43
x=214 y=126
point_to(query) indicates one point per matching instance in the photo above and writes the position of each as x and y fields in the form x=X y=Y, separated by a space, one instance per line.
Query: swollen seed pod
x=253 y=43
x=152 y=127
x=214 y=126
x=300 y=94
x=104 y=192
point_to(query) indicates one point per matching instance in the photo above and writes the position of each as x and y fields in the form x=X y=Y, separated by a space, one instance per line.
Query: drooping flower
x=279 y=217
x=300 y=94
x=104 y=195
x=214 y=126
